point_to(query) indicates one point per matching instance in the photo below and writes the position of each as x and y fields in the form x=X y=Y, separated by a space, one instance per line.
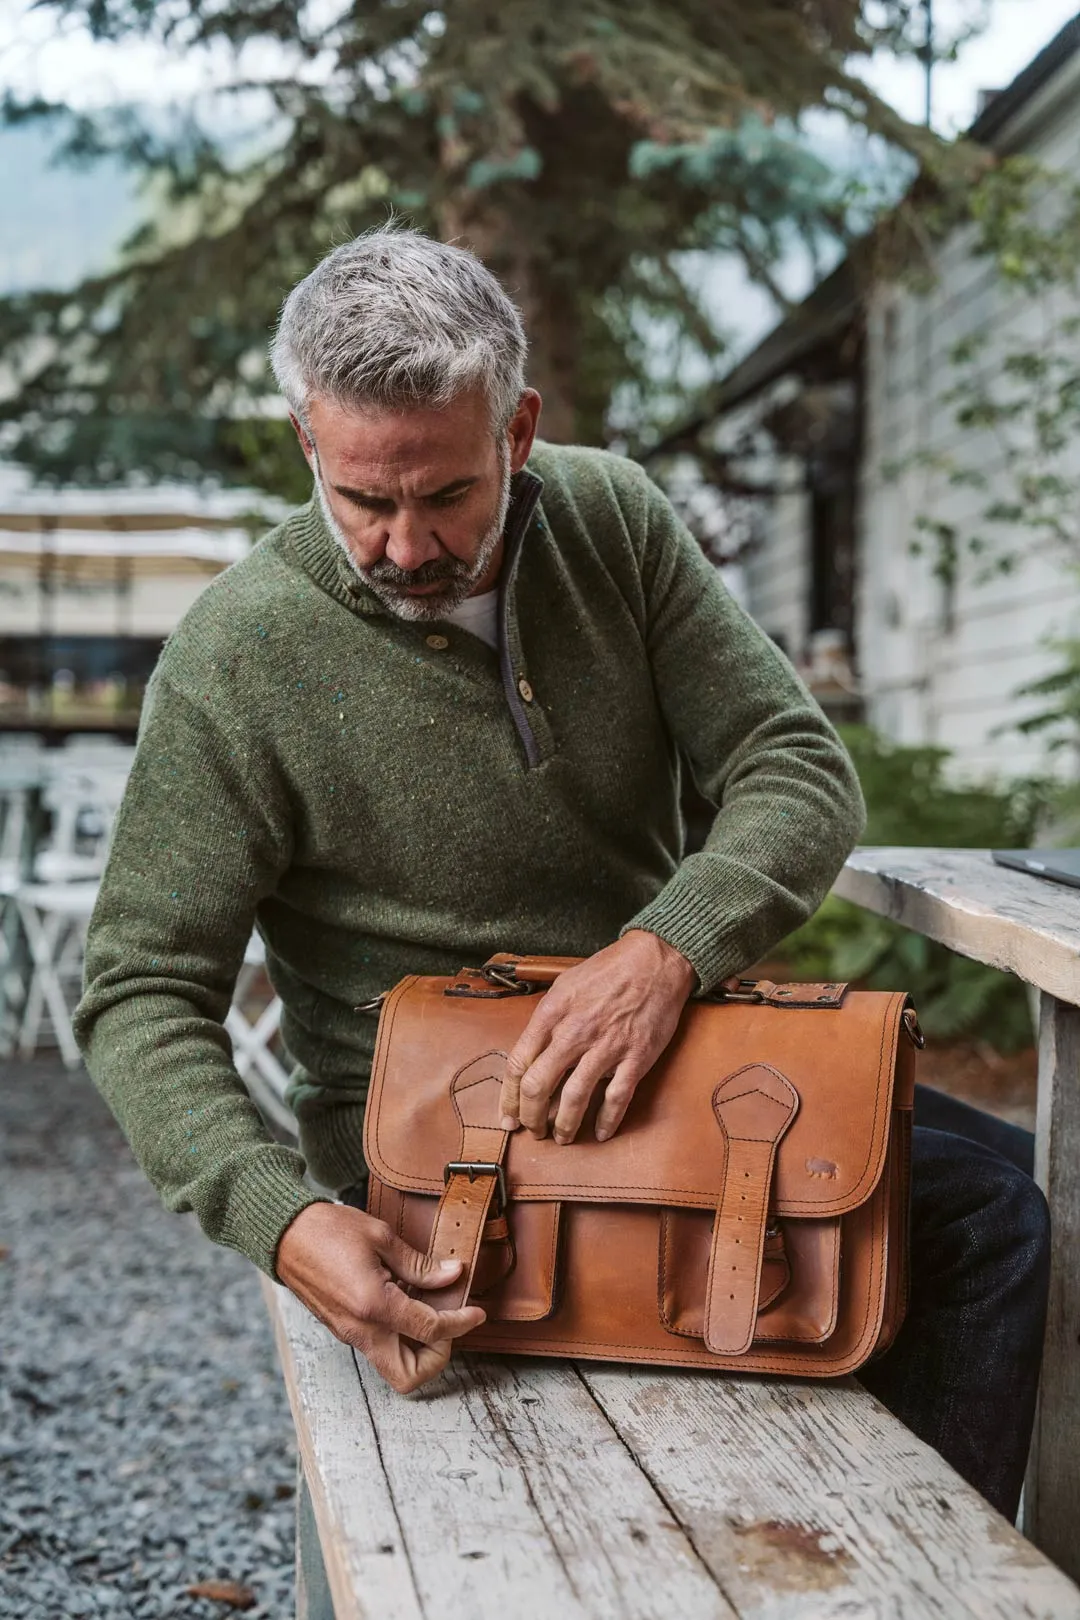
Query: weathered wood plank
x=365 y=1557
x=1022 y=924
x=314 y=1600
x=1052 y=1489
x=811 y=1502
x=517 y=1497
x=538 y=1490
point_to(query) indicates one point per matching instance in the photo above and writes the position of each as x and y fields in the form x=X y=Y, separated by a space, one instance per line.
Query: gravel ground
x=145 y=1439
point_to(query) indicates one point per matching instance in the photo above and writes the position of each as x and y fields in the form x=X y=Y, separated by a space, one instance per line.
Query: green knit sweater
x=384 y=798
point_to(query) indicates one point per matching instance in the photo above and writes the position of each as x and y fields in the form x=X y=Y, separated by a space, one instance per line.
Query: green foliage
x=585 y=149
x=909 y=801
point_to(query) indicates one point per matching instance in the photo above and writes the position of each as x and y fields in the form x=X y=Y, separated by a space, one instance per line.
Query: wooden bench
x=515 y=1489
x=1030 y=927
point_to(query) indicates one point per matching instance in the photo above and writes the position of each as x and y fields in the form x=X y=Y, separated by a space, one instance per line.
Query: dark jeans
x=964 y=1369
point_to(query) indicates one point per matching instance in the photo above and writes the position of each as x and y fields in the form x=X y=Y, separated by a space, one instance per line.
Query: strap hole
x=731 y=1296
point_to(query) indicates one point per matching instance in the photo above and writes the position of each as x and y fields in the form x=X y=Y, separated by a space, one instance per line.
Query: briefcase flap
x=669 y=1150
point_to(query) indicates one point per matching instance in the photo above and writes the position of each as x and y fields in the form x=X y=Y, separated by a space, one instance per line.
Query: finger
x=538 y=1085
x=420 y=1363
x=577 y=1093
x=423 y=1322
x=412 y=1266
x=530 y=1043
x=618 y=1096
x=404 y=1365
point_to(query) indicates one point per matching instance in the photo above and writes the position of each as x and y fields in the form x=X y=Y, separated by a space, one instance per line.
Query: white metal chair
x=252 y=1035
x=54 y=917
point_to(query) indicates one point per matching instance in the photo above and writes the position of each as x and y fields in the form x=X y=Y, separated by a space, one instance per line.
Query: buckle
x=474 y=1168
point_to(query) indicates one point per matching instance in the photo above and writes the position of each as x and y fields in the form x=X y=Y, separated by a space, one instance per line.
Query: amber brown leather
x=753 y=1109
x=466 y=1204
x=607 y=1249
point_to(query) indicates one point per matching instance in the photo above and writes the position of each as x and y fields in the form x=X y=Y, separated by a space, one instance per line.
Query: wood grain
x=810 y=1501
x=366 y=1562
x=1052 y=1489
x=513 y=1489
x=1024 y=925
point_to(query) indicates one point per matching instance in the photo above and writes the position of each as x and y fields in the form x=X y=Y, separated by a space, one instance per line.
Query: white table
x=1030 y=927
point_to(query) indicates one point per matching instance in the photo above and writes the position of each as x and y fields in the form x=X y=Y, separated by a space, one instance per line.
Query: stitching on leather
x=664 y=1262
x=660 y=1356
x=806 y=1338
x=660 y=1195
x=762 y=1200
x=552 y=1260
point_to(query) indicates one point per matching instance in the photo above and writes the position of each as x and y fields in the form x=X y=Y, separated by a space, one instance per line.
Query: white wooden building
x=849 y=386
x=91 y=583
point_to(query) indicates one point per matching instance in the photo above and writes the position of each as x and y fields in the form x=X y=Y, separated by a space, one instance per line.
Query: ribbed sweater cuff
x=332 y=1144
x=263 y=1200
x=703 y=915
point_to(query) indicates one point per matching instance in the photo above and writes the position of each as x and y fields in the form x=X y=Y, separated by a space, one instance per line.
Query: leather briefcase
x=751 y=1212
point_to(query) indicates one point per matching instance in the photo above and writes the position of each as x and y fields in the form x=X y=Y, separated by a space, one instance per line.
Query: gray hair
x=394 y=319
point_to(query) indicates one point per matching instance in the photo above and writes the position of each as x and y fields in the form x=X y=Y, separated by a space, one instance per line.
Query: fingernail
x=449 y=1265
x=561 y=1139
x=508 y=1123
x=602 y=1134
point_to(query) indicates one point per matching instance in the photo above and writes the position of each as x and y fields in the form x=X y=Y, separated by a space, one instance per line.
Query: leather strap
x=753 y=1108
x=467 y=1200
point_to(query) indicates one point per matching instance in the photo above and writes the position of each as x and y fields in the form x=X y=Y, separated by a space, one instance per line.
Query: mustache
x=433 y=572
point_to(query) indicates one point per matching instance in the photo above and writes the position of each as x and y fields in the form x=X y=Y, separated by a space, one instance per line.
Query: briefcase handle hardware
x=910 y=1020
x=473 y=1168
x=490 y=983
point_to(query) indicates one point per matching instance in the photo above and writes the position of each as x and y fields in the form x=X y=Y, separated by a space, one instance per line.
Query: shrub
x=910 y=801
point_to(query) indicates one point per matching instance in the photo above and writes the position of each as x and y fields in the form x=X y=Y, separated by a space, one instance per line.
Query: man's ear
x=522 y=428
x=306 y=444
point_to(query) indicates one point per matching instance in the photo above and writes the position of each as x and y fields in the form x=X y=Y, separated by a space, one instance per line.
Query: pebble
x=145 y=1438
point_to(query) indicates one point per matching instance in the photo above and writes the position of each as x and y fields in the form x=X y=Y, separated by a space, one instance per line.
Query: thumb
x=410 y=1266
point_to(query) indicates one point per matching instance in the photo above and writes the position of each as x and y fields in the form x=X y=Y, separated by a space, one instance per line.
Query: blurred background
x=814 y=266
x=813 y=263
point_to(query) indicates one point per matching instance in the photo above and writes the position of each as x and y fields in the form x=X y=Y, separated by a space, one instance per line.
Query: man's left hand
x=609 y=1018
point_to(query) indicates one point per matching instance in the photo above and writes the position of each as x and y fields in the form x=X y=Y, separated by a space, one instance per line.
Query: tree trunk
x=471 y=221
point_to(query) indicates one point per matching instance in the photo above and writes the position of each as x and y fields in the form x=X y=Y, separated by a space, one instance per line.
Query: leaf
x=224 y=1591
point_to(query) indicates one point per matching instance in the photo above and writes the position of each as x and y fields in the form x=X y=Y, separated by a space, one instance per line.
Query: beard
x=457 y=578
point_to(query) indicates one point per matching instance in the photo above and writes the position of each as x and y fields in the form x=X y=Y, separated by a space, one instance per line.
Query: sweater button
x=437 y=643
x=525 y=689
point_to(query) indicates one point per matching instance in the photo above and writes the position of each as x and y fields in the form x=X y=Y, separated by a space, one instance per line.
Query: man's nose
x=411 y=541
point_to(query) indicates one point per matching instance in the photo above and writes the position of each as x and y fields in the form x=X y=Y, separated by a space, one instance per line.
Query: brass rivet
x=437 y=643
x=525 y=689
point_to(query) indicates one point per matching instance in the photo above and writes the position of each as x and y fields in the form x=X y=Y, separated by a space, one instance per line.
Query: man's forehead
x=381 y=451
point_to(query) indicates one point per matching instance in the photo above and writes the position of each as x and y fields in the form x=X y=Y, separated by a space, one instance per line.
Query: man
x=437 y=713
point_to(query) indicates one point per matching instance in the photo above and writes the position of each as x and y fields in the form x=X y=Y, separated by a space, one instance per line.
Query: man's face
x=417 y=498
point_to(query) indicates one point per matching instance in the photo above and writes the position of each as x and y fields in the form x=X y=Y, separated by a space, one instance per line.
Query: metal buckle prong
x=472 y=1169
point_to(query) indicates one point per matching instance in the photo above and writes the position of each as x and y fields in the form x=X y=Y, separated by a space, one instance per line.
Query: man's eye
x=450 y=500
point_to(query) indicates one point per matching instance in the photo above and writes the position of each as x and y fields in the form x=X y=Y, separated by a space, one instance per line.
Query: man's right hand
x=346 y=1266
